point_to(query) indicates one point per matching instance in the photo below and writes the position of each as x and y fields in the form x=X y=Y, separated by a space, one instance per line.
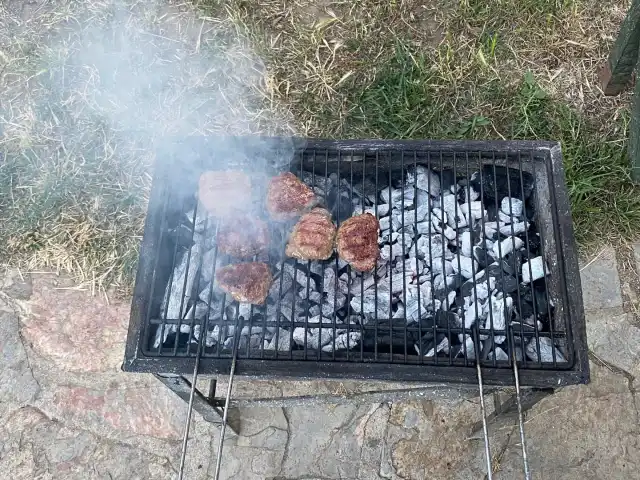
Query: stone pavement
x=69 y=413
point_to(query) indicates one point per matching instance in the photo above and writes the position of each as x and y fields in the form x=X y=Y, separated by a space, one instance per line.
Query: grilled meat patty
x=225 y=192
x=357 y=241
x=312 y=238
x=245 y=282
x=243 y=236
x=288 y=197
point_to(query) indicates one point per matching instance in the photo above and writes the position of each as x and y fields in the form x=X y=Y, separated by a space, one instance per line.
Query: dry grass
x=88 y=88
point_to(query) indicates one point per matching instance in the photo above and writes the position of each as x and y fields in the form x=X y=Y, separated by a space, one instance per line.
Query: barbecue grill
x=375 y=331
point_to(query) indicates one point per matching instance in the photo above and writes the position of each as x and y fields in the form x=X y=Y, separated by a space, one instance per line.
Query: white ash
x=514 y=229
x=506 y=246
x=533 y=269
x=343 y=341
x=511 y=206
x=465 y=266
x=499 y=355
x=424 y=179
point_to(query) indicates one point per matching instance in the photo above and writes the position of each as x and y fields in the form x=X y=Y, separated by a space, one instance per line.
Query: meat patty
x=312 y=238
x=357 y=241
x=225 y=192
x=245 y=282
x=288 y=197
x=243 y=236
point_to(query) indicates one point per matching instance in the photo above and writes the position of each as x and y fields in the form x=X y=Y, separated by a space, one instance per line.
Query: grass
x=80 y=120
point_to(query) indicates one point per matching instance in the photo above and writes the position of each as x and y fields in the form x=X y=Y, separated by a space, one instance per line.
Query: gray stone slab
x=17 y=384
x=614 y=338
x=601 y=283
x=582 y=432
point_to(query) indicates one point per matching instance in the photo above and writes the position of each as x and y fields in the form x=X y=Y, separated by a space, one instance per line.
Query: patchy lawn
x=87 y=89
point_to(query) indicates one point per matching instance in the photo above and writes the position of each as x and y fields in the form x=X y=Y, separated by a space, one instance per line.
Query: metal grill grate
x=376 y=346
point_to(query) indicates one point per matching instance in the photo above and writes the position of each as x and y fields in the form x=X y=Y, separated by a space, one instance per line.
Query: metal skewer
x=192 y=394
x=525 y=460
x=485 y=430
x=227 y=399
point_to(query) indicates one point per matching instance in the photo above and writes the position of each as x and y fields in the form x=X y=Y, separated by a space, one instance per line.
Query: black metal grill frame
x=360 y=157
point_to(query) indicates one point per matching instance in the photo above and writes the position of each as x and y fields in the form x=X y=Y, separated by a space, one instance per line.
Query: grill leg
x=506 y=407
x=208 y=406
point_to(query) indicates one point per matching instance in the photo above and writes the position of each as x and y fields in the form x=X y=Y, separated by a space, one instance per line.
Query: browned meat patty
x=225 y=192
x=313 y=236
x=243 y=236
x=245 y=282
x=288 y=197
x=357 y=241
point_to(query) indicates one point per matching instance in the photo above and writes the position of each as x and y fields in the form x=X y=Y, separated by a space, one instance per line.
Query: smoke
x=91 y=92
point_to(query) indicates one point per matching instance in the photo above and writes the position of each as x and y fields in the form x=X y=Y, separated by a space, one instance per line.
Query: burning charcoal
x=465 y=241
x=424 y=228
x=438 y=266
x=473 y=312
x=397 y=281
x=511 y=206
x=203 y=219
x=465 y=266
x=315 y=337
x=334 y=303
x=450 y=233
x=498 y=181
x=244 y=310
x=299 y=276
x=506 y=246
x=383 y=210
x=413 y=266
x=367 y=303
x=501 y=310
x=452 y=282
x=366 y=190
x=429 y=347
x=472 y=210
x=320 y=184
x=169 y=329
x=396 y=196
x=470 y=195
x=180 y=289
x=280 y=342
x=514 y=229
x=197 y=312
x=399 y=313
x=424 y=179
x=432 y=248
x=533 y=269
x=454 y=215
x=499 y=355
x=504 y=218
x=344 y=341
x=547 y=351
x=414 y=216
x=389 y=252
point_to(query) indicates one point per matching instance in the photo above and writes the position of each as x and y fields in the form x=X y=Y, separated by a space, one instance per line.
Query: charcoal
x=507 y=284
x=382 y=210
x=444 y=319
x=343 y=341
x=386 y=340
x=447 y=179
x=503 y=248
x=280 y=342
x=511 y=206
x=533 y=269
x=499 y=355
x=480 y=254
x=514 y=229
x=339 y=204
x=424 y=179
x=539 y=298
x=465 y=240
x=547 y=351
x=497 y=182
x=181 y=288
x=465 y=266
x=428 y=347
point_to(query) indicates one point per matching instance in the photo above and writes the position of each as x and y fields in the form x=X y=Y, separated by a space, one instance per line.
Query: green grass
x=77 y=155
